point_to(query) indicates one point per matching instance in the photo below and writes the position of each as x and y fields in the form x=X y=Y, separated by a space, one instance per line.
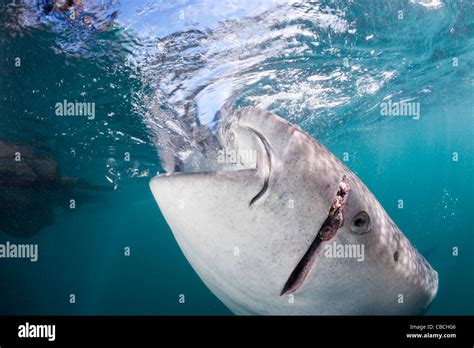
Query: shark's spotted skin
x=213 y=214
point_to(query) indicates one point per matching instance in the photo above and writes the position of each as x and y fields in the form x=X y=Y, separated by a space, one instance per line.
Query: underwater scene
x=264 y=130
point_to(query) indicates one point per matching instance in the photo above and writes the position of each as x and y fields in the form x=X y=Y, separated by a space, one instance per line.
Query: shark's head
x=291 y=230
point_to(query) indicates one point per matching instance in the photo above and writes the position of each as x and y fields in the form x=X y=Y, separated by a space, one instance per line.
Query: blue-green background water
x=155 y=67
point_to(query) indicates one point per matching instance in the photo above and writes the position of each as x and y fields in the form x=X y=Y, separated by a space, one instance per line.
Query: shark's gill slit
x=327 y=231
x=267 y=178
x=260 y=193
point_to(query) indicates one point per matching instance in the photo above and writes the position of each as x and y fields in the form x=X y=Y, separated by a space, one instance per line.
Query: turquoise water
x=158 y=72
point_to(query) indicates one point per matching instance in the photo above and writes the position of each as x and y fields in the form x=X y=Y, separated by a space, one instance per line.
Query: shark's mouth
x=327 y=232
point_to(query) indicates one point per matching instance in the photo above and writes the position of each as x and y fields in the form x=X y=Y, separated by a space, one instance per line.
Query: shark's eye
x=361 y=223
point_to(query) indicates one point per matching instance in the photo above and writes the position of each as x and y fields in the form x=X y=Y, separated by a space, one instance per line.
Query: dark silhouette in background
x=31 y=187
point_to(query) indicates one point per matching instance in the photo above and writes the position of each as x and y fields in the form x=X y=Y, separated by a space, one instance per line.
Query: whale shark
x=31 y=186
x=258 y=234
